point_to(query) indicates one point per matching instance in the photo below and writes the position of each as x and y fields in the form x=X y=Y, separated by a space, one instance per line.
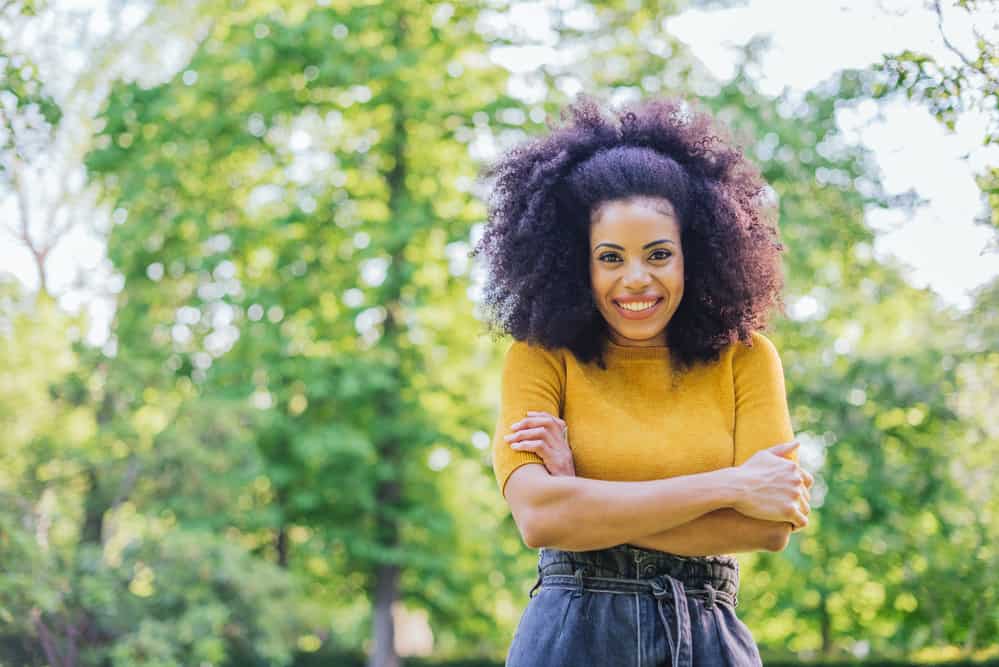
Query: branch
x=46 y=638
x=53 y=237
x=947 y=42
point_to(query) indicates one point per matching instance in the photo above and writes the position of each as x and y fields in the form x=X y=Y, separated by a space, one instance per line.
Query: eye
x=663 y=254
x=607 y=254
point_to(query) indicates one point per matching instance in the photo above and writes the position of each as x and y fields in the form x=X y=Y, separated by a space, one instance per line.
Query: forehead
x=638 y=219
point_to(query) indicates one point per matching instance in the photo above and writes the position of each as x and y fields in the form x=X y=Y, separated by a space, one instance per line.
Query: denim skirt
x=630 y=606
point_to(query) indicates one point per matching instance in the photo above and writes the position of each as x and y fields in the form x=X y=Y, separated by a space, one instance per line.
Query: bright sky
x=811 y=40
x=940 y=244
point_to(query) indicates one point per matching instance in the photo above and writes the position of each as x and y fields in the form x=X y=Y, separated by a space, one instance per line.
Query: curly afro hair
x=546 y=189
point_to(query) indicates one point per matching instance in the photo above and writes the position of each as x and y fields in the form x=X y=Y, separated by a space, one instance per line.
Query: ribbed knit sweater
x=634 y=421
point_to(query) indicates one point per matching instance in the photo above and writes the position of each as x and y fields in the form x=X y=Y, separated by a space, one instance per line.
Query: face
x=636 y=260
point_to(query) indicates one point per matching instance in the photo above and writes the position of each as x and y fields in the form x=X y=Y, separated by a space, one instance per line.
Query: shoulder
x=533 y=357
x=760 y=346
x=761 y=356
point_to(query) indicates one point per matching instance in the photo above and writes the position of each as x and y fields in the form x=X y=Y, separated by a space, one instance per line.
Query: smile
x=638 y=311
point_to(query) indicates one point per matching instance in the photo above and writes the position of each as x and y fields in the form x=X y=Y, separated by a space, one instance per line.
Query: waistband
x=625 y=561
x=671 y=579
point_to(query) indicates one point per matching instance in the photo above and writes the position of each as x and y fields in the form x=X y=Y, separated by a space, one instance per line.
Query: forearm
x=722 y=531
x=580 y=514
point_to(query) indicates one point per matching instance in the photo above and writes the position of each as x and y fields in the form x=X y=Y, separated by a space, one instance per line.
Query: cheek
x=598 y=281
x=675 y=280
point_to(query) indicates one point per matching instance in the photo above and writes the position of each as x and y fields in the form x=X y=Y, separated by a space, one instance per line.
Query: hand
x=775 y=488
x=806 y=507
x=807 y=480
x=546 y=436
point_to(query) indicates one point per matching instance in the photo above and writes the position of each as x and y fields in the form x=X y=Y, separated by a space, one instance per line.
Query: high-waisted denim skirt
x=630 y=606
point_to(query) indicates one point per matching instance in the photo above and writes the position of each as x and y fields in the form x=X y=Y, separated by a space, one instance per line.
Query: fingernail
x=508 y=437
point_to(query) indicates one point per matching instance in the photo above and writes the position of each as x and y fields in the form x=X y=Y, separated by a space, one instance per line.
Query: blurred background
x=246 y=394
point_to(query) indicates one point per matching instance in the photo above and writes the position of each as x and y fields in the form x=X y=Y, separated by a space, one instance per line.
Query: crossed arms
x=691 y=515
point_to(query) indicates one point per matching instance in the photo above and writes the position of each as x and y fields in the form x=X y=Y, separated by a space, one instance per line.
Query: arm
x=580 y=514
x=762 y=419
x=723 y=531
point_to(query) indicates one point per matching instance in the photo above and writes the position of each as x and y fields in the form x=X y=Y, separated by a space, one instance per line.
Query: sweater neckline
x=633 y=353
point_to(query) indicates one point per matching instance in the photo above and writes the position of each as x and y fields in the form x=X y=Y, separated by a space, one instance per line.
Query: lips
x=637 y=299
x=639 y=314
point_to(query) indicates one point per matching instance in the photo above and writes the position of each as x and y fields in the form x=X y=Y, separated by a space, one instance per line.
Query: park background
x=246 y=396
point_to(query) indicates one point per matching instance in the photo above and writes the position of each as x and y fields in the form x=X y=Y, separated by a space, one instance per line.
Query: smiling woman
x=637 y=286
x=631 y=260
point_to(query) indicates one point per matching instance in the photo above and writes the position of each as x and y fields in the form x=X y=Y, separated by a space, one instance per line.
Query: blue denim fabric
x=630 y=606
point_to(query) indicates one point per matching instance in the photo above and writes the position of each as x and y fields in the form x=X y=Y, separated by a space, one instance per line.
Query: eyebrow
x=647 y=245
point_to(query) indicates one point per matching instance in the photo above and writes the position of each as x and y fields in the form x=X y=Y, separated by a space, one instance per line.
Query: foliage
x=292 y=413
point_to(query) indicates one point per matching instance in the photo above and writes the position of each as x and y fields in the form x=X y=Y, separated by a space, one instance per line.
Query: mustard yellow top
x=633 y=422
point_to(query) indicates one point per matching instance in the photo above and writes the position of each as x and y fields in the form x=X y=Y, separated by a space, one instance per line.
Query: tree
x=293 y=241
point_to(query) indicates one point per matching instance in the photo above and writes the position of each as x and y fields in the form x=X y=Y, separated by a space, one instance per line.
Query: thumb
x=785 y=448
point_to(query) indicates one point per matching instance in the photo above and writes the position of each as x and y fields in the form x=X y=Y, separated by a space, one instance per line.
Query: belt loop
x=579 y=583
x=711 y=596
x=536 y=584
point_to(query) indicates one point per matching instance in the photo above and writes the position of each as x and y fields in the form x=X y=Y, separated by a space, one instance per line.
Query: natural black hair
x=545 y=190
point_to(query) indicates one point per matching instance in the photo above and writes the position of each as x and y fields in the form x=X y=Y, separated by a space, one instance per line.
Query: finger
x=535 y=446
x=793 y=513
x=804 y=480
x=799 y=519
x=785 y=446
x=545 y=415
x=524 y=434
x=809 y=479
x=536 y=420
x=803 y=497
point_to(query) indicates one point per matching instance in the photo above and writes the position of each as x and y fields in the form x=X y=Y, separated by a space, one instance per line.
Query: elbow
x=532 y=532
x=537 y=529
x=527 y=534
x=780 y=537
x=534 y=497
x=527 y=525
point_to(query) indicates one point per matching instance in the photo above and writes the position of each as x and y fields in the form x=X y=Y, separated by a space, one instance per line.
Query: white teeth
x=637 y=306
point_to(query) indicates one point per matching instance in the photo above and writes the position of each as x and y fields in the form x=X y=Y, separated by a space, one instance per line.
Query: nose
x=636 y=275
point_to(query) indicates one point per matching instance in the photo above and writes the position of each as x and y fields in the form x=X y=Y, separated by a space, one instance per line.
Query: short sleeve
x=761 y=414
x=533 y=379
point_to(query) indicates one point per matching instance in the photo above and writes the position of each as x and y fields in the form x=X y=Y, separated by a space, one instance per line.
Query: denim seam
x=685 y=573
x=690 y=592
x=590 y=576
x=638 y=632
x=630 y=581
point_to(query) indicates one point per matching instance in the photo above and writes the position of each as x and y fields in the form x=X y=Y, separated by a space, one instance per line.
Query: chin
x=659 y=338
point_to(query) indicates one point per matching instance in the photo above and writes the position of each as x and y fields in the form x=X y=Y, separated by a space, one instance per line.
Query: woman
x=630 y=259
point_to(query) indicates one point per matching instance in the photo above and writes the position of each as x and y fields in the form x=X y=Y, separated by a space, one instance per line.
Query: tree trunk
x=281 y=545
x=389 y=492
x=93 y=513
x=825 y=624
x=386 y=591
